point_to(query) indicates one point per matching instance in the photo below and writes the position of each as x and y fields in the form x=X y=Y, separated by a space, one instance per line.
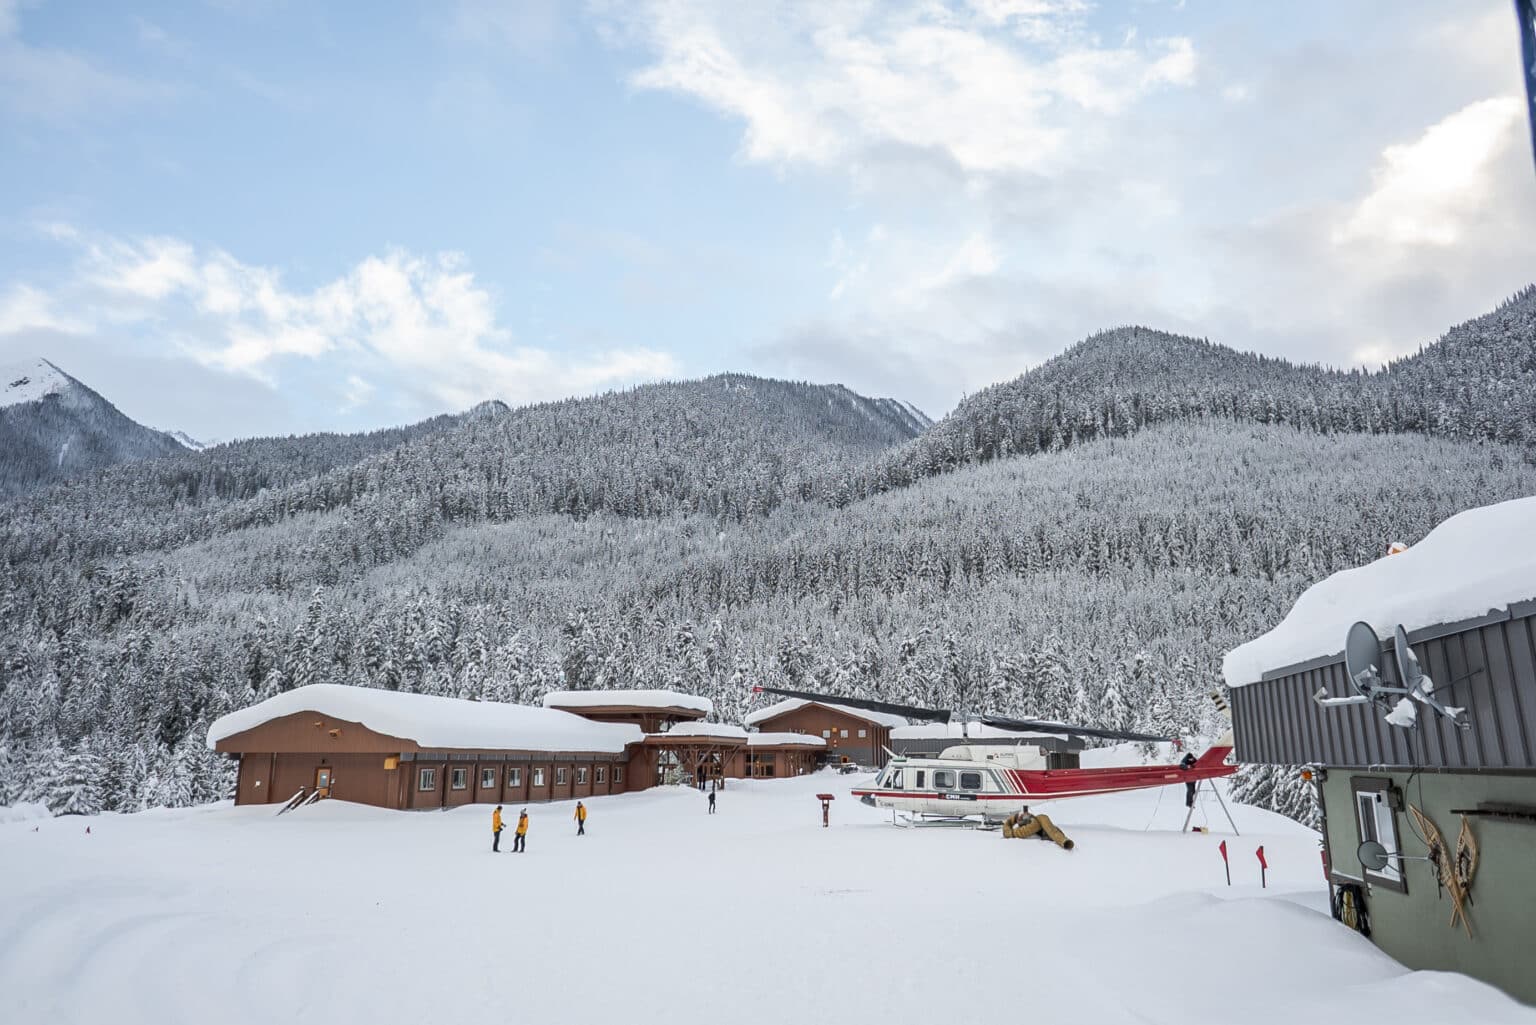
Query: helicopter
x=990 y=782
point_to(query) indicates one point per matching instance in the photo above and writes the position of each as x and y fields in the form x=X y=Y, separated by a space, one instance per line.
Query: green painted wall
x=1415 y=927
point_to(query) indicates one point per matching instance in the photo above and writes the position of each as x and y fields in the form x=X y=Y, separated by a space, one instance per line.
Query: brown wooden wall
x=812 y=719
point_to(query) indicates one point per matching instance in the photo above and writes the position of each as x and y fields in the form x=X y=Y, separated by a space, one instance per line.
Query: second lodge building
x=416 y=751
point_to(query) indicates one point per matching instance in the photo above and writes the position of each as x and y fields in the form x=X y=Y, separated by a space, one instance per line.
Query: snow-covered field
x=340 y=913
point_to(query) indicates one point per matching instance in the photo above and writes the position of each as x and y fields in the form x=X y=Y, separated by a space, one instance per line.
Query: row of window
x=943 y=779
x=458 y=777
x=843 y=734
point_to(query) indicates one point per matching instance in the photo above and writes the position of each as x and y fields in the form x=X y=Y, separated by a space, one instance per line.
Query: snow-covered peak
x=187 y=440
x=1475 y=562
x=30 y=381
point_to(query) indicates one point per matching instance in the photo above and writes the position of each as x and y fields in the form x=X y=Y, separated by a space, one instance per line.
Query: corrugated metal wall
x=1276 y=721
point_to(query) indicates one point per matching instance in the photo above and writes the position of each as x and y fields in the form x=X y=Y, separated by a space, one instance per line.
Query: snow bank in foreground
x=344 y=914
x=1475 y=562
x=435 y=722
x=627 y=698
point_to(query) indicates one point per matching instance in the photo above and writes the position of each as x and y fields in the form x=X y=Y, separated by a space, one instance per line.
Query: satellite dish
x=1373 y=856
x=1362 y=657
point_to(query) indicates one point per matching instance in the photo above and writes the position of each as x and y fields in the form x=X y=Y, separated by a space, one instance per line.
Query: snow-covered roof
x=30 y=381
x=1475 y=562
x=714 y=730
x=434 y=722
x=980 y=731
x=783 y=740
x=627 y=699
x=792 y=704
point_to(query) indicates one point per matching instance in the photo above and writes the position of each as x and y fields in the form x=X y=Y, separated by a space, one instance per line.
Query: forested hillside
x=714 y=534
x=1478 y=382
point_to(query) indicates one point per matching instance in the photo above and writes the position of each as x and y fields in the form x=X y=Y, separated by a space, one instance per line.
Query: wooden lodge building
x=1465 y=598
x=851 y=735
x=416 y=751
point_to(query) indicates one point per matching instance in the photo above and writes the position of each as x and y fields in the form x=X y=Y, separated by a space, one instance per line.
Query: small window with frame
x=426 y=779
x=581 y=776
x=943 y=779
x=863 y=734
x=538 y=777
x=514 y=777
x=1376 y=820
x=560 y=777
x=458 y=778
x=487 y=779
x=921 y=777
x=618 y=775
x=970 y=781
x=602 y=774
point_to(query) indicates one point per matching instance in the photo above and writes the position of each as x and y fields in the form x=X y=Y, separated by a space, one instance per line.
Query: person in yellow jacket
x=496 y=830
x=522 y=833
x=581 y=819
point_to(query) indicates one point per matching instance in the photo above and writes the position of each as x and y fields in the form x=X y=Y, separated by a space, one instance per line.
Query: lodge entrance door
x=323 y=781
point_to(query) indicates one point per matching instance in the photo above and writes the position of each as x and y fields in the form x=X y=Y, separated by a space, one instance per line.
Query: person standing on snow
x=521 y=838
x=711 y=802
x=581 y=819
x=496 y=830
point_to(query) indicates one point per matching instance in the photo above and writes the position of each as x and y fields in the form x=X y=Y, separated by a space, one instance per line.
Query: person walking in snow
x=521 y=838
x=711 y=802
x=496 y=830
x=581 y=819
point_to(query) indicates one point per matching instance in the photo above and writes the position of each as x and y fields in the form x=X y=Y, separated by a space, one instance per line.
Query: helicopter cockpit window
x=893 y=779
x=943 y=779
x=970 y=781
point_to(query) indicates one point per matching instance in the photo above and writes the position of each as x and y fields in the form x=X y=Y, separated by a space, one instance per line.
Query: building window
x=514 y=777
x=459 y=778
x=1375 y=820
x=426 y=779
x=845 y=734
x=538 y=777
x=618 y=774
x=602 y=774
x=560 y=777
x=862 y=734
x=970 y=781
x=581 y=776
x=487 y=779
x=826 y=734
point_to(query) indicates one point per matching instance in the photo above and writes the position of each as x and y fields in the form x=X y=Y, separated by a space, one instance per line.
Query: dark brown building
x=406 y=751
x=851 y=735
x=776 y=756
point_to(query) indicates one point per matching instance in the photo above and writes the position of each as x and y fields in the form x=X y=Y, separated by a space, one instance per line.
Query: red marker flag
x=1225 y=863
x=1263 y=868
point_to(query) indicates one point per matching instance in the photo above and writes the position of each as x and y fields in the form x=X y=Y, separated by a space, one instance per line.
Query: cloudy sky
x=253 y=216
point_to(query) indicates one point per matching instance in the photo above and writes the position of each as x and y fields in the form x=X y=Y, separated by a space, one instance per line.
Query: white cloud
x=1424 y=191
x=999 y=87
x=421 y=325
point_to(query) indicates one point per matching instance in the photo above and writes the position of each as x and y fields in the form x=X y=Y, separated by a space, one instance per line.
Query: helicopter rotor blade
x=1040 y=726
x=889 y=708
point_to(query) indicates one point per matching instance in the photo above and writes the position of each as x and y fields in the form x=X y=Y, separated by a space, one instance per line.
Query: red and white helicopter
x=993 y=782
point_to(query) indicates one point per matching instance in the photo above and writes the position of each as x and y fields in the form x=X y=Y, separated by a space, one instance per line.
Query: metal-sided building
x=1465 y=598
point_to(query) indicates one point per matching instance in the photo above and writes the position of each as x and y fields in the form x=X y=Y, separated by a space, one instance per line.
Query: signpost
x=826 y=805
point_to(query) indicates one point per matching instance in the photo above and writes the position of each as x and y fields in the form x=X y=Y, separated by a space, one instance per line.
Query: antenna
x=1420 y=687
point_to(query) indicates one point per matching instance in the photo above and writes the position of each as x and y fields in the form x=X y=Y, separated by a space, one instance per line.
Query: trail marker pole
x=1263 y=868
x=1225 y=863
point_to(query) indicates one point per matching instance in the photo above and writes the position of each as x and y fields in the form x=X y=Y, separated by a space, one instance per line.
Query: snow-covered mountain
x=53 y=427
x=189 y=442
